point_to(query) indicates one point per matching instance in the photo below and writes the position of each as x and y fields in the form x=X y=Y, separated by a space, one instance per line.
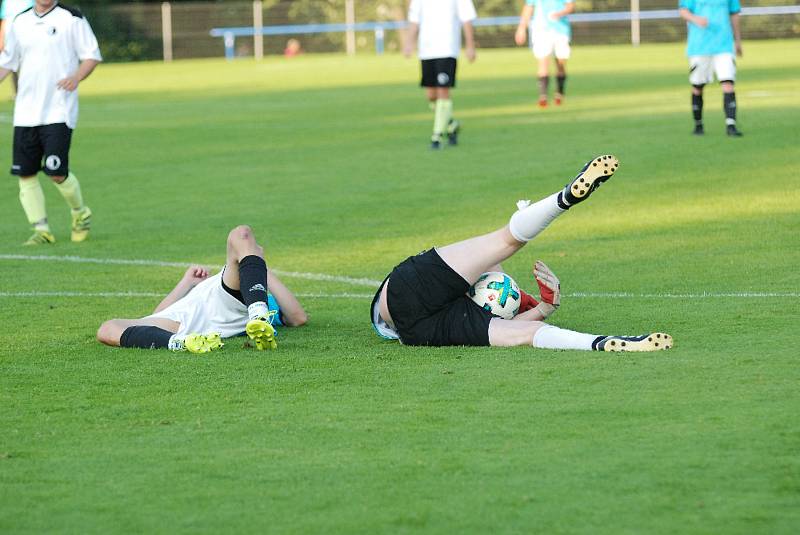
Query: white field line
x=336 y=278
x=133 y=262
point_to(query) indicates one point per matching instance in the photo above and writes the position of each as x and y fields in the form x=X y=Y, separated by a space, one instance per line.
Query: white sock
x=175 y=343
x=258 y=310
x=550 y=337
x=527 y=222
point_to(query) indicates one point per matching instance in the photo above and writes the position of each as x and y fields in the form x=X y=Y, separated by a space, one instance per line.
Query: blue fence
x=229 y=35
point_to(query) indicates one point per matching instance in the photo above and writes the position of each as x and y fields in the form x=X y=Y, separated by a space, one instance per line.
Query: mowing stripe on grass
x=347 y=295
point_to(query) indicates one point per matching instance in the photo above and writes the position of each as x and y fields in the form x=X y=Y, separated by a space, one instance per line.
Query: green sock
x=439 y=120
x=447 y=105
x=71 y=191
x=31 y=197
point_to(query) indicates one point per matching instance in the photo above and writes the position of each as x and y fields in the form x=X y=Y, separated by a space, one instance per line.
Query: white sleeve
x=84 y=41
x=414 y=9
x=9 y=58
x=466 y=11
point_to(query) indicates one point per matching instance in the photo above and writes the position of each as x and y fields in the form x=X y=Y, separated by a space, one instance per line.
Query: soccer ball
x=497 y=293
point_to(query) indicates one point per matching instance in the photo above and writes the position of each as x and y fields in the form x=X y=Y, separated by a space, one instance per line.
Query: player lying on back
x=202 y=310
x=425 y=301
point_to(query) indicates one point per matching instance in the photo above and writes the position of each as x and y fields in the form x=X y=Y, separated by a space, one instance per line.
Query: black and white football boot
x=594 y=173
x=645 y=342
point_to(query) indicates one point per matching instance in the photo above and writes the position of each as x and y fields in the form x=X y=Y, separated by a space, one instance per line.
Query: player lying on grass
x=202 y=310
x=424 y=299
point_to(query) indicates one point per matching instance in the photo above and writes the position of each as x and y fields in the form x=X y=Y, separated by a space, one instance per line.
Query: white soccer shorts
x=703 y=68
x=547 y=42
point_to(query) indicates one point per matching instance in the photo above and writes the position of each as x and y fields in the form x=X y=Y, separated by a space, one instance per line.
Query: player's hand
x=408 y=49
x=70 y=83
x=470 y=51
x=701 y=21
x=521 y=35
x=739 y=52
x=549 y=285
x=195 y=275
x=554 y=16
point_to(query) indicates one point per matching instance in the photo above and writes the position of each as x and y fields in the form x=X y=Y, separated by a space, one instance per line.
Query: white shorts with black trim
x=703 y=68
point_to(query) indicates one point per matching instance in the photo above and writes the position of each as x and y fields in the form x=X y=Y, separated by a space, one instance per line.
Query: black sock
x=697 y=108
x=729 y=103
x=544 y=81
x=145 y=337
x=561 y=80
x=253 y=279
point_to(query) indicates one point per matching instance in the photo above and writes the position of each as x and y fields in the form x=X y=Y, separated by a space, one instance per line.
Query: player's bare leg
x=246 y=271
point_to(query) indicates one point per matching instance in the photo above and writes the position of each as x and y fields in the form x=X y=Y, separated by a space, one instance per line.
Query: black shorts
x=41 y=148
x=429 y=306
x=439 y=72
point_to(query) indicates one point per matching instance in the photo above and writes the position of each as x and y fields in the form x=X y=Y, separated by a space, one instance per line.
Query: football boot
x=40 y=237
x=594 y=173
x=645 y=342
x=262 y=333
x=81 y=222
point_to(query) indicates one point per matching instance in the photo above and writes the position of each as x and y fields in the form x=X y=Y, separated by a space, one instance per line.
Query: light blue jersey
x=541 y=16
x=272 y=304
x=717 y=37
x=12 y=8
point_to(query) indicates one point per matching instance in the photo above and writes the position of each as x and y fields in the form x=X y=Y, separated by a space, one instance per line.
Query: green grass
x=339 y=432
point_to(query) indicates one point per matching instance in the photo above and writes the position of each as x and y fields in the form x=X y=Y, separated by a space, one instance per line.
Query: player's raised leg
x=246 y=271
x=472 y=257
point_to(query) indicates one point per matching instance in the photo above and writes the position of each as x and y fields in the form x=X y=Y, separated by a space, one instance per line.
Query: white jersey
x=45 y=49
x=207 y=308
x=440 y=25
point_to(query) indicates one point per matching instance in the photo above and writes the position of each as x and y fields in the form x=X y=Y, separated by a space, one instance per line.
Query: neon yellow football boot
x=202 y=343
x=262 y=333
x=40 y=237
x=81 y=223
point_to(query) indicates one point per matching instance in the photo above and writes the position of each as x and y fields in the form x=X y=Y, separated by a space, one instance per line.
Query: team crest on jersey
x=51 y=30
x=443 y=78
x=52 y=162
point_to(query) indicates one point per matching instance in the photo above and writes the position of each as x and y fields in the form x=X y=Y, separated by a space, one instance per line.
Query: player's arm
x=737 y=33
x=411 y=38
x=688 y=16
x=194 y=275
x=469 y=40
x=70 y=83
x=292 y=312
x=568 y=8
x=4 y=73
x=522 y=29
x=549 y=294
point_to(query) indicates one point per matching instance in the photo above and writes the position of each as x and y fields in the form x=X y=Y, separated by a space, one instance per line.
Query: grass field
x=339 y=432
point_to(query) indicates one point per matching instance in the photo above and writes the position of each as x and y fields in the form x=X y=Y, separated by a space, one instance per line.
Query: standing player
x=550 y=35
x=53 y=49
x=438 y=24
x=202 y=310
x=423 y=301
x=713 y=37
x=9 y=9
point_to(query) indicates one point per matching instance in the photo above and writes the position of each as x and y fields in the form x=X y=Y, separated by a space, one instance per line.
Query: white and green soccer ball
x=497 y=293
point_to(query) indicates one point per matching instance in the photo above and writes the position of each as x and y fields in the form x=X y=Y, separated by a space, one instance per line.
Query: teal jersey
x=272 y=304
x=717 y=37
x=12 y=8
x=541 y=16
